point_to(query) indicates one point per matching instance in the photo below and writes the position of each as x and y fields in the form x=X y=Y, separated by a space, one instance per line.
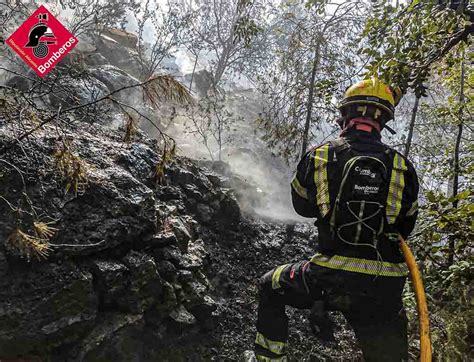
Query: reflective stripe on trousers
x=276 y=276
x=268 y=359
x=275 y=347
x=364 y=266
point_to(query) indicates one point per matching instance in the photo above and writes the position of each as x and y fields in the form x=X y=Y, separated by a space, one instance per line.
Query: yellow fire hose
x=425 y=340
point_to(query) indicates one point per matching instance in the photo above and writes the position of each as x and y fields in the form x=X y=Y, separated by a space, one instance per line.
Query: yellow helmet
x=372 y=91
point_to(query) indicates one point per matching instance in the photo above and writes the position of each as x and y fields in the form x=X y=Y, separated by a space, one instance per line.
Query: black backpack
x=357 y=216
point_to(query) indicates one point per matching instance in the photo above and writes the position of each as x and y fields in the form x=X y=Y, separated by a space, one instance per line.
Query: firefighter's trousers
x=371 y=304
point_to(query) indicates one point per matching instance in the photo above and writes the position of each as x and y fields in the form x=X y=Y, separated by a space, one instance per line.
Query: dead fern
x=161 y=88
x=43 y=230
x=27 y=245
x=168 y=154
x=131 y=127
x=72 y=168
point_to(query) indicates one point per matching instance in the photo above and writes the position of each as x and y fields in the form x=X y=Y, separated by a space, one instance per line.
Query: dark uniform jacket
x=312 y=182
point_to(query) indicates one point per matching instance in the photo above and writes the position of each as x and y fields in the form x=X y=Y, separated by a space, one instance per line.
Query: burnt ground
x=238 y=260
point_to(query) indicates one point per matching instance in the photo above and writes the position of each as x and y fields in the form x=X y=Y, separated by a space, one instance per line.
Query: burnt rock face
x=127 y=259
x=137 y=270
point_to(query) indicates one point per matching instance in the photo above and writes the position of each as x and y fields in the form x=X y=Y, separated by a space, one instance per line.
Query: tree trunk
x=412 y=125
x=452 y=240
x=309 y=106
x=192 y=75
x=216 y=77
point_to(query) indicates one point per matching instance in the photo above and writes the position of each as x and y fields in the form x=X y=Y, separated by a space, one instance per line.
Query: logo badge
x=42 y=41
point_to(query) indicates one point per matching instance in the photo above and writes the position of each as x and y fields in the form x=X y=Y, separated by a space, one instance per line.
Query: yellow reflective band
x=321 y=179
x=364 y=266
x=413 y=208
x=276 y=276
x=300 y=190
x=272 y=346
x=395 y=191
x=268 y=359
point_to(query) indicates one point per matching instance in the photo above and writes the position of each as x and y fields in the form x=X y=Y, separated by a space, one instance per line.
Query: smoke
x=271 y=176
x=266 y=178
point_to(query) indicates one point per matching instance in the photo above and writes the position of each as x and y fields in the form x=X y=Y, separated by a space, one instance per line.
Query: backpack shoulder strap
x=338 y=145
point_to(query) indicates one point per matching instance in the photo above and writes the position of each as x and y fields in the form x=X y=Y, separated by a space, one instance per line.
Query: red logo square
x=42 y=41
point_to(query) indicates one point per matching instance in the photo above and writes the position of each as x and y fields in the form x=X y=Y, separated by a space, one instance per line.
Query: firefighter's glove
x=320 y=322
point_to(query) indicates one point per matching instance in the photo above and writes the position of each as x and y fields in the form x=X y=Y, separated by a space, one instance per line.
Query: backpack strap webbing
x=338 y=145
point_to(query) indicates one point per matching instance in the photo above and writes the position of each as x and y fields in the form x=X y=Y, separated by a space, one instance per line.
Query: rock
x=119 y=56
x=44 y=307
x=191 y=176
x=193 y=260
x=167 y=193
x=79 y=91
x=157 y=241
x=168 y=301
x=217 y=180
x=248 y=356
x=182 y=232
x=110 y=281
x=193 y=290
x=115 y=209
x=95 y=59
x=123 y=37
x=145 y=285
x=167 y=270
x=204 y=213
x=130 y=271
x=229 y=212
x=192 y=191
x=84 y=47
x=220 y=167
x=116 y=337
x=181 y=176
x=3 y=264
x=140 y=160
x=197 y=253
x=19 y=82
x=205 y=309
x=202 y=82
x=115 y=78
x=182 y=317
x=170 y=253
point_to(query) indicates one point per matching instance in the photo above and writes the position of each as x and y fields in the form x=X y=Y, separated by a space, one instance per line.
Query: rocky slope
x=137 y=270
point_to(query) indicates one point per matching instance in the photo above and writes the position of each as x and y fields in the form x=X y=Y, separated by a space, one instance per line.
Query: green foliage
x=245 y=30
x=404 y=42
x=439 y=220
x=314 y=39
x=449 y=288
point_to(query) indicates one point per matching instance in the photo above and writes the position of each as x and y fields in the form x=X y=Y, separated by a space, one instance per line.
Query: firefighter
x=363 y=195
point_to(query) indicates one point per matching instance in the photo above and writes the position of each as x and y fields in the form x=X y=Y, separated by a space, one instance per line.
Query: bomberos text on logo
x=42 y=41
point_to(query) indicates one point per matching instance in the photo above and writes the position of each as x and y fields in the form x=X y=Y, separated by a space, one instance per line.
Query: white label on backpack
x=367 y=189
x=365 y=171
